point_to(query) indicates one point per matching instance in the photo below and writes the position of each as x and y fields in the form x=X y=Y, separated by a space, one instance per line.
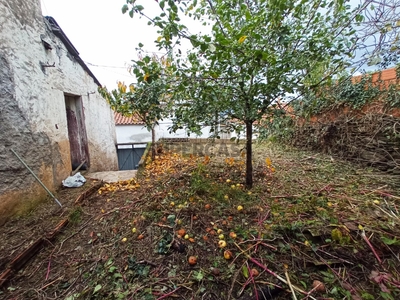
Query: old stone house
x=50 y=111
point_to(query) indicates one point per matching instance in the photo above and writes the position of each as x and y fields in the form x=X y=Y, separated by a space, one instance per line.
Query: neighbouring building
x=133 y=130
x=51 y=113
x=133 y=136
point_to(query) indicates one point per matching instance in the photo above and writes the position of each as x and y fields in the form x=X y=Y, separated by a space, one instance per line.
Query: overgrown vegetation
x=348 y=92
x=188 y=229
x=280 y=129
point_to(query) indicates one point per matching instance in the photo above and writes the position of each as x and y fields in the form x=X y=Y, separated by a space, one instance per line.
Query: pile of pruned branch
x=373 y=139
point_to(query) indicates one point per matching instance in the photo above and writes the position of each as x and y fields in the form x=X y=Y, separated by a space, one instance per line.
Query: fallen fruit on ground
x=222 y=244
x=318 y=286
x=291 y=228
x=192 y=260
x=215 y=271
x=227 y=254
x=232 y=235
x=181 y=232
x=255 y=272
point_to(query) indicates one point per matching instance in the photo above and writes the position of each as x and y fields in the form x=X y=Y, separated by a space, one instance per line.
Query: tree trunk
x=249 y=163
x=153 y=142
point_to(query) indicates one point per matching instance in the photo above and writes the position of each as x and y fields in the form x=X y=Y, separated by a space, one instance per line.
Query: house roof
x=131 y=120
x=56 y=29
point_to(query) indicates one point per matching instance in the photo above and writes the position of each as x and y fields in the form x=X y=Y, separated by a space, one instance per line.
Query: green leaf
x=245 y=271
x=139 y=7
x=97 y=288
x=304 y=284
x=109 y=262
x=112 y=269
x=367 y=296
x=146 y=59
x=73 y=296
x=162 y=4
x=386 y=296
x=248 y=16
x=359 y=18
x=171 y=219
x=174 y=8
x=125 y=8
x=198 y=276
x=389 y=242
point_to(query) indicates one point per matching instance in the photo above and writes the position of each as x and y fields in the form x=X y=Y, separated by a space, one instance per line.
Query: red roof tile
x=119 y=119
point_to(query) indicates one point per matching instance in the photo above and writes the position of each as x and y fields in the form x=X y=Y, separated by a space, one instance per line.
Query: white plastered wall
x=39 y=91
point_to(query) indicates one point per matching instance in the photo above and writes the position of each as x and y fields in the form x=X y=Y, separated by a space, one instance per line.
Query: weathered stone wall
x=33 y=118
x=35 y=148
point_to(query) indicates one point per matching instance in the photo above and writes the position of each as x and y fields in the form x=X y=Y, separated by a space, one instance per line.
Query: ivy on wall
x=354 y=94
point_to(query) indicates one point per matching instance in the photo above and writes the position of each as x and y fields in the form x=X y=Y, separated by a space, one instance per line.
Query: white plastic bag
x=74 y=181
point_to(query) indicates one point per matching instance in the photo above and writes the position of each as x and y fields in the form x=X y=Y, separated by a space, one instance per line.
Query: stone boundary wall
x=203 y=147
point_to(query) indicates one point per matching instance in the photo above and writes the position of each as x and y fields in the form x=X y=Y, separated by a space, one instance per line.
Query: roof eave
x=56 y=29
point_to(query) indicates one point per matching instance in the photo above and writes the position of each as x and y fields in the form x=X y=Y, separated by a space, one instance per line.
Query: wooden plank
x=56 y=230
x=4 y=276
x=20 y=260
x=88 y=192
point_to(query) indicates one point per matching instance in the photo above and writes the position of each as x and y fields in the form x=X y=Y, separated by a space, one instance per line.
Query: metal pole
x=29 y=169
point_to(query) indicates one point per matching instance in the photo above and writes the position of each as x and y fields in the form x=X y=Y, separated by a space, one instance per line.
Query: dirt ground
x=188 y=228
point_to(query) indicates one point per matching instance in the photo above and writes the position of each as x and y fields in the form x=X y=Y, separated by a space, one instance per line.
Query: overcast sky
x=104 y=37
